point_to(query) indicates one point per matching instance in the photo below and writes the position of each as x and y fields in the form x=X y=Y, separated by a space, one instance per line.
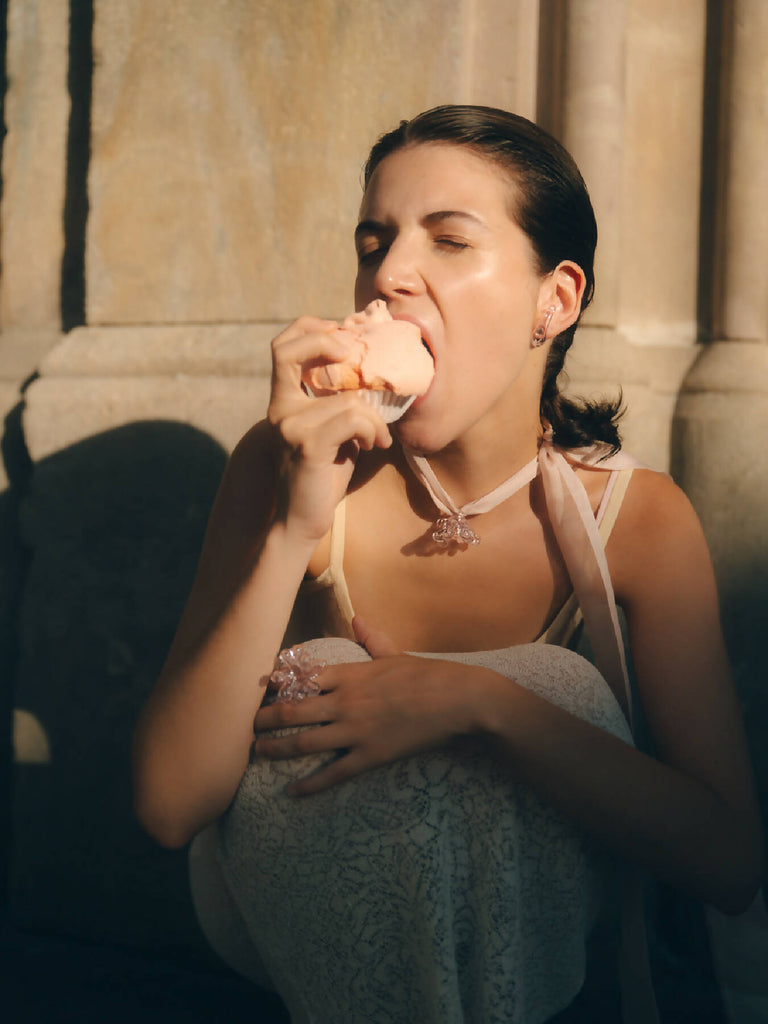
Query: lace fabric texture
x=456 y=894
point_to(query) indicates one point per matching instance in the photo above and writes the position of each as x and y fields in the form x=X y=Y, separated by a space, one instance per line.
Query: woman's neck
x=473 y=465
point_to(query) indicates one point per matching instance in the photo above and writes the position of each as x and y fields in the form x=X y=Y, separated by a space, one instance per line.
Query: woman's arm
x=192 y=739
x=691 y=816
x=274 y=505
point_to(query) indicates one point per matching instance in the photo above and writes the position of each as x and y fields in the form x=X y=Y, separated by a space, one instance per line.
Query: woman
x=454 y=853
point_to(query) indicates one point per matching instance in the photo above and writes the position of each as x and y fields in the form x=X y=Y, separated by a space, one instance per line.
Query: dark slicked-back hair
x=549 y=201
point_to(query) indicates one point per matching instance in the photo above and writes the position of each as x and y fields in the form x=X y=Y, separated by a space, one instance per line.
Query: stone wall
x=182 y=178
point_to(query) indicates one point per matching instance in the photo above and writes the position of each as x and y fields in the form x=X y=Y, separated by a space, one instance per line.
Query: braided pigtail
x=576 y=422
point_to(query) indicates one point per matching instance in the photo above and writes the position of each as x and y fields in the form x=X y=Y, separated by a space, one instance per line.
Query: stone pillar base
x=720 y=458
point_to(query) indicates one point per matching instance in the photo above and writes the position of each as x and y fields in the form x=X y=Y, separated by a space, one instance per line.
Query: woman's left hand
x=374 y=712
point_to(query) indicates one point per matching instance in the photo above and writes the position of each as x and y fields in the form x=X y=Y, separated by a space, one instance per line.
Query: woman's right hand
x=319 y=438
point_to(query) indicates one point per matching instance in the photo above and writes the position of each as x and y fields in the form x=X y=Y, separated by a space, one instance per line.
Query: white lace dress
x=435 y=890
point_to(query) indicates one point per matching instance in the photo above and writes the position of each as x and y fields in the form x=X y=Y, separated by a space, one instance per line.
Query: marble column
x=721 y=423
x=499 y=66
x=721 y=427
x=33 y=177
x=34 y=160
x=631 y=113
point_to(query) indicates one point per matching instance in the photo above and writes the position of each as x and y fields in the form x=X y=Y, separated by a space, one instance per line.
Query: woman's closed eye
x=371 y=254
x=451 y=244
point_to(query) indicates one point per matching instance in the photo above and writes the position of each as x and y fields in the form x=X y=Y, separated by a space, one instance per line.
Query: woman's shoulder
x=654 y=503
x=657 y=532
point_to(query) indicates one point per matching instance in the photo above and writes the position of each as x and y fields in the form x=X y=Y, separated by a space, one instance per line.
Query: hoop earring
x=540 y=334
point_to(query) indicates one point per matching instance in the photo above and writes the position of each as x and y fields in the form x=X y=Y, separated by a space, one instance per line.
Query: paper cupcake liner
x=389 y=405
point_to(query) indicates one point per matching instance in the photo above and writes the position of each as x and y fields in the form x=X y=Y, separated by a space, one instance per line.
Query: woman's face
x=436 y=241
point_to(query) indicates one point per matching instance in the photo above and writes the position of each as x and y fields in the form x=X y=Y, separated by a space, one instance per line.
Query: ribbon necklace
x=573 y=523
x=451 y=526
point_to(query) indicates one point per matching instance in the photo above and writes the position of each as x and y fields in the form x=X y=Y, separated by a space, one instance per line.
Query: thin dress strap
x=584 y=557
x=336 y=562
x=610 y=503
x=563 y=626
x=576 y=532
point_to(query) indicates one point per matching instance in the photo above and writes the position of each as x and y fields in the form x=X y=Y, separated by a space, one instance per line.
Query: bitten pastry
x=388 y=362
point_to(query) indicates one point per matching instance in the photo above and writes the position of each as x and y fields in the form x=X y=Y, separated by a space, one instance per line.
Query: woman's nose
x=398 y=273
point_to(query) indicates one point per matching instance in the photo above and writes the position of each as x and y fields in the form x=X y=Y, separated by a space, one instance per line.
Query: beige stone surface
x=658 y=271
x=631 y=116
x=191 y=349
x=606 y=353
x=602 y=361
x=500 y=61
x=61 y=412
x=730 y=368
x=593 y=131
x=22 y=350
x=227 y=141
x=30 y=744
x=9 y=396
x=33 y=168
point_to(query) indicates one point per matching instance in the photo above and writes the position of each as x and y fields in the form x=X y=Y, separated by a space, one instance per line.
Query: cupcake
x=388 y=363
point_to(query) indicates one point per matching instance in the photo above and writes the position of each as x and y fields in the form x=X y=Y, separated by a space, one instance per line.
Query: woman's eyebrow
x=377 y=227
x=374 y=227
x=441 y=215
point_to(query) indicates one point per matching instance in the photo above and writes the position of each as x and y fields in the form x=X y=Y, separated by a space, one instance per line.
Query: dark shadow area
x=49 y=980
x=685 y=986
x=114 y=526
x=13 y=563
x=681 y=959
x=79 y=84
x=551 y=66
x=717 y=77
x=736 y=540
x=745 y=614
x=680 y=952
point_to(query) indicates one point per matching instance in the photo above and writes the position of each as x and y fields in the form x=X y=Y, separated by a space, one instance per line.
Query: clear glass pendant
x=454 y=529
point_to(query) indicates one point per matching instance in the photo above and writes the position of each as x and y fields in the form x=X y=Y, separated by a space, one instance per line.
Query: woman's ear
x=563 y=289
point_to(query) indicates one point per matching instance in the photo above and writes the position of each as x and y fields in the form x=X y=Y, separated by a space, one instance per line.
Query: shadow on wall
x=114 y=526
x=730 y=499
